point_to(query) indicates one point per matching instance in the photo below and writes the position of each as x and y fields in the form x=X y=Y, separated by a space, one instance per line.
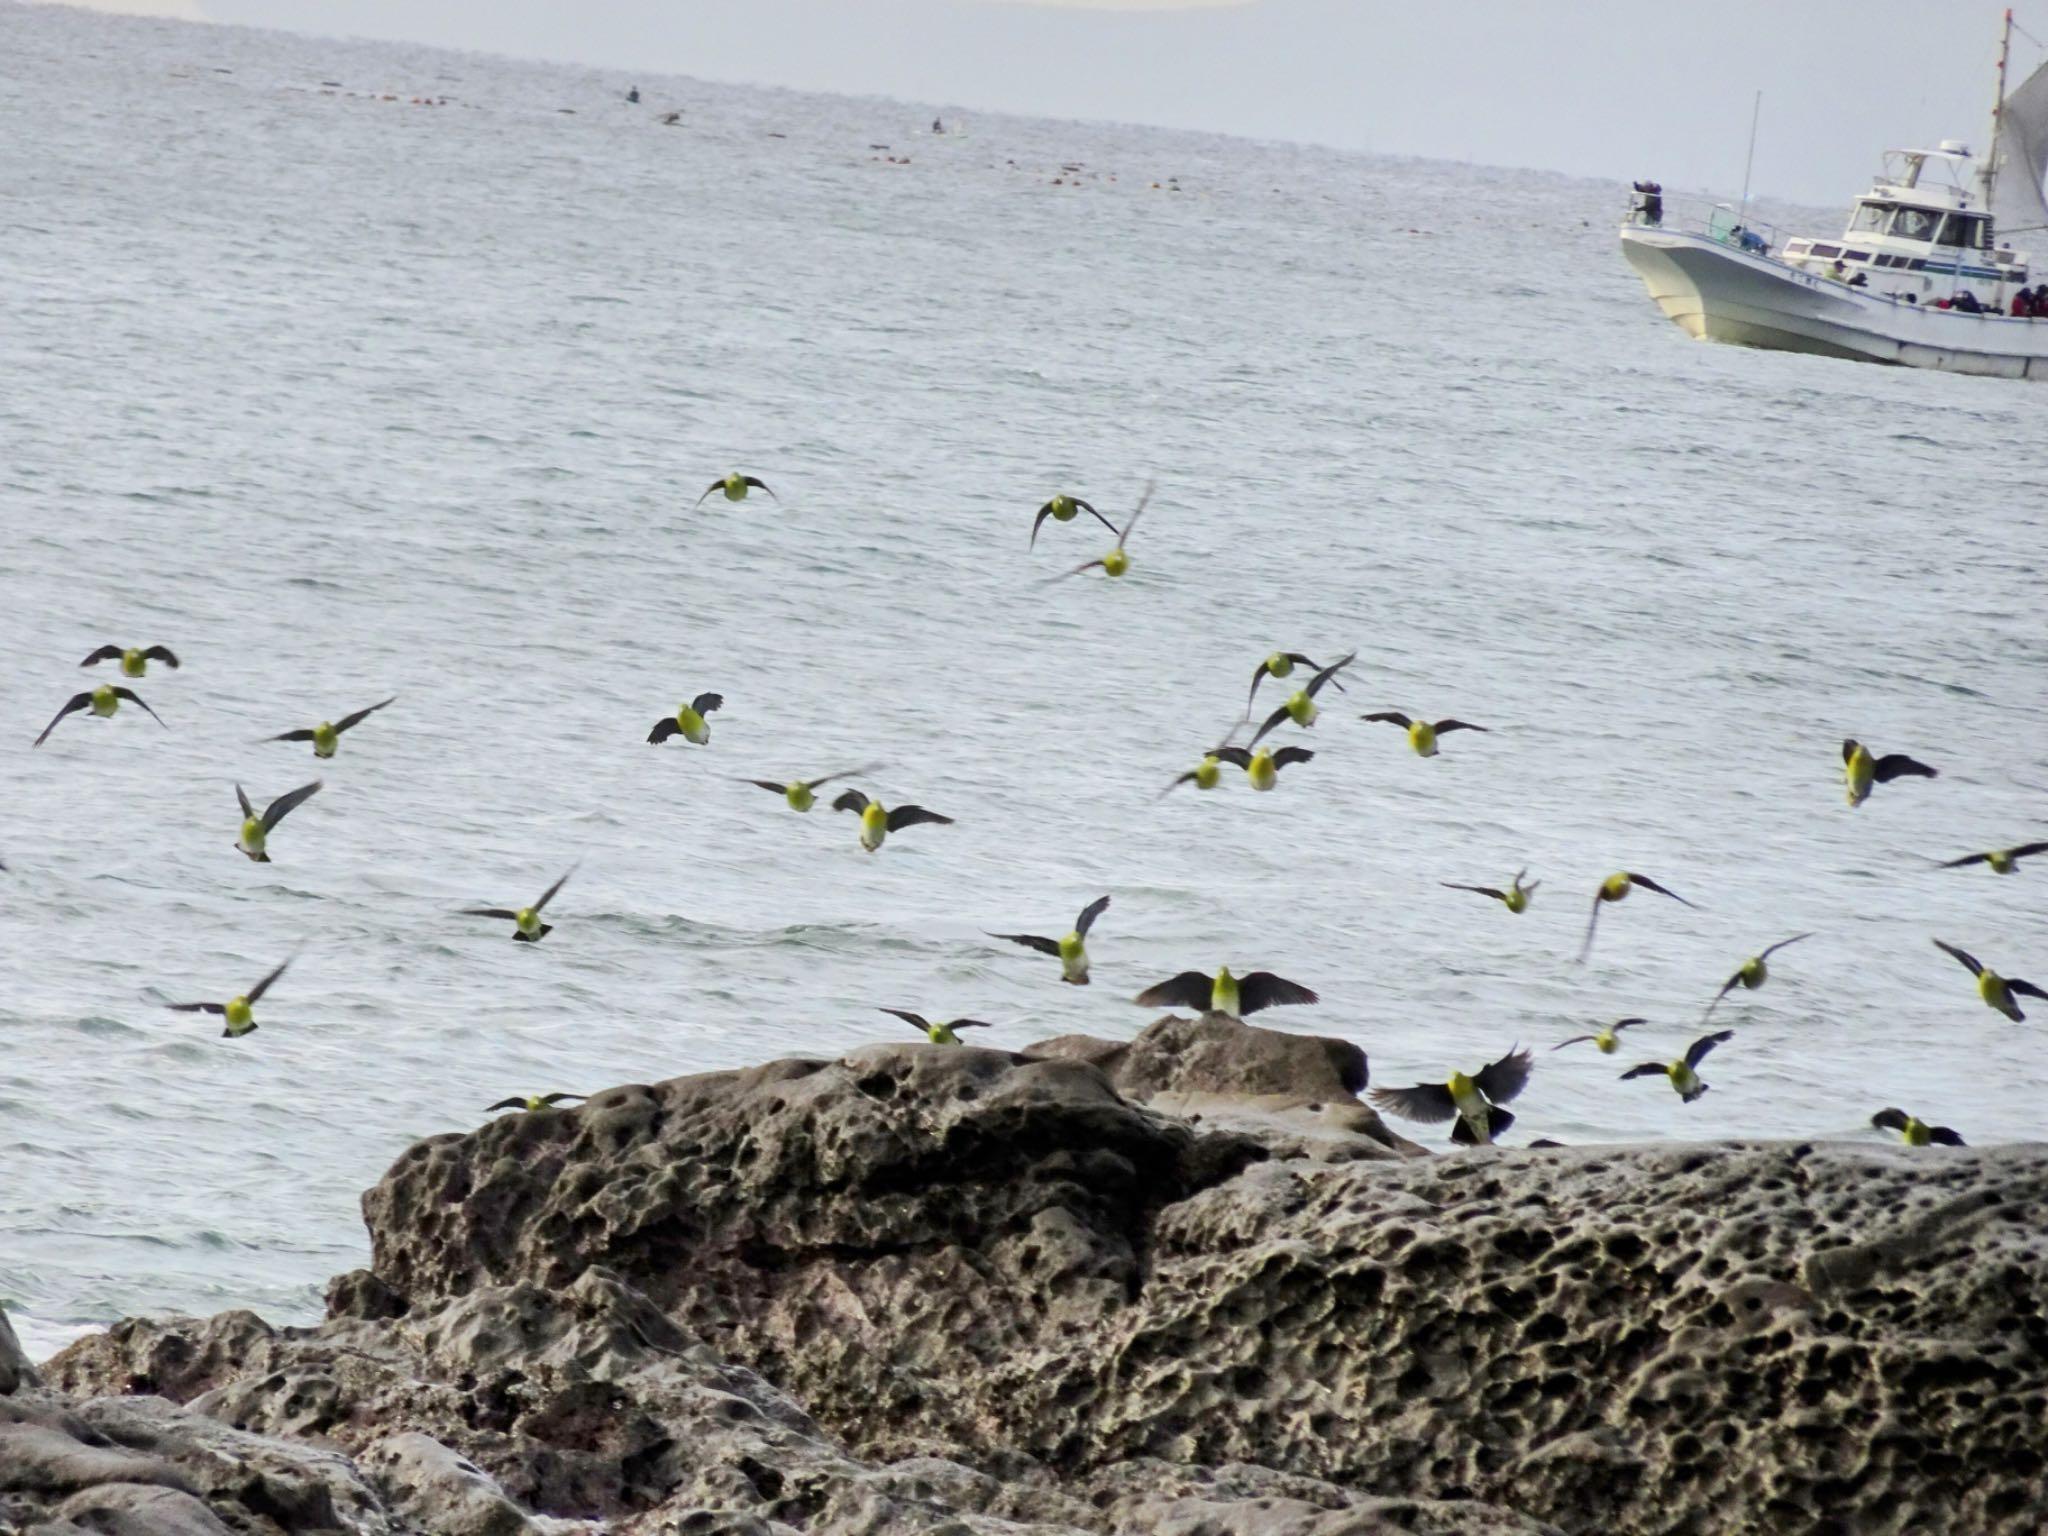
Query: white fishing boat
x=1925 y=275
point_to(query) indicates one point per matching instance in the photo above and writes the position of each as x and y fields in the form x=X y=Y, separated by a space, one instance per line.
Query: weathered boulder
x=15 y=1369
x=926 y=1288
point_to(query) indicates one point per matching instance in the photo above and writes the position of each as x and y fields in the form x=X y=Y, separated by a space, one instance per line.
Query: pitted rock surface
x=928 y=1288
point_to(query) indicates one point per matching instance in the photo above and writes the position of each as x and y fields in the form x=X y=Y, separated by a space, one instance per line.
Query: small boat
x=1924 y=276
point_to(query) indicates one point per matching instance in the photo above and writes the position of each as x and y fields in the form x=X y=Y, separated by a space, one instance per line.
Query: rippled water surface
x=342 y=397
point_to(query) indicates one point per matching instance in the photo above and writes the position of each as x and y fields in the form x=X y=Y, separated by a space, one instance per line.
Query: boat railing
x=1717 y=221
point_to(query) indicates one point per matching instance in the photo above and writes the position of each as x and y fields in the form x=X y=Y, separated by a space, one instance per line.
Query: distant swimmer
x=937 y=126
x=634 y=96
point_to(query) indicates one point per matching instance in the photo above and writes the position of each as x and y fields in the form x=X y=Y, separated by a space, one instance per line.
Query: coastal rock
x=15 y=1369
x=942 y=1289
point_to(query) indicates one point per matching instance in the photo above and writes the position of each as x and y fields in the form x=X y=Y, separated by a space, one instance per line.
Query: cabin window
x=1827 y=250
x=1855 y=255
x=1871 y=217
x=1961 y=229
x=1915 y=224
x=1884 y=261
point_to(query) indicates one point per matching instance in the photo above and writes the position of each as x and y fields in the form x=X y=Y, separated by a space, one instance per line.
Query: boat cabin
x=1914 y=235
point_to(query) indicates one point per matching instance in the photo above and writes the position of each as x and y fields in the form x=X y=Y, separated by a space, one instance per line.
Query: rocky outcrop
x=927 y=1288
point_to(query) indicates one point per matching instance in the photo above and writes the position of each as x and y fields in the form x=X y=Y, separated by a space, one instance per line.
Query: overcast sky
x=1616 y=88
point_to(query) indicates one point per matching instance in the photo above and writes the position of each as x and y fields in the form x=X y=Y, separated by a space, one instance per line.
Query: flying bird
x=735 y=486
x=1116 y=562
x=1996 y=990
x=533 y=1103
x=1752 y=973
x=239 y=1012
x=1281 y=664
x=1061 y=509
x=2003 y=861
x=802 y=794
x=134 y=660
x=1422 y=734
x=1914 y=1131
x=1473 y=1103
x=326 y=736
x=1603 y=1038
x=1683 y=1074
x=1301 y=704
x=1515 y=898
x=1863 y=770
x=1616 y=888
x=1263 y=766
x=1072 y=950
x=938 y=1034
x=876 y=823
x=256 y=829
x=1238 y=996
x=102 y=701
x=528 y=928
x=688 y=721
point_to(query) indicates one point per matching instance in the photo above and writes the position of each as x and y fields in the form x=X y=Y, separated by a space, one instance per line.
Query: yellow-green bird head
x=105 y=700
x=1301 y=709
x=240 y=1016
x=874 y=824
x=801 y=796
x=1063 y=507
x=1116 y=562
x=1208 y=772
x=1279 y=664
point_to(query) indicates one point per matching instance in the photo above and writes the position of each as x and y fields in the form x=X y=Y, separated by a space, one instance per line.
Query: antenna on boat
x=1989 y=173
x=1750 y=164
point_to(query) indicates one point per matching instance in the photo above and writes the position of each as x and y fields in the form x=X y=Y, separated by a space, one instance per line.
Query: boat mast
x=1750 y=164
x=1989 y=173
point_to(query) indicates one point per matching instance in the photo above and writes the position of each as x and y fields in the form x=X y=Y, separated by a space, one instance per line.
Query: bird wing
x=1848 y=749
x=346 y=721
x=136 y=699
x=1315 y=684
x=1970 y=858
x=850 y=800
x=1143 y=501
x=1392 y=716
x=256 y=992
x=163 y=654
x=910 y=815
x=1575 y=1040
x=548 y=895
x=1089 y=913
x=1029 y=941
x=558 y=1098
x=1592 y=923
x=1457 y=725
x=759 y=485
x=917 y=1020
x=104 y=653
x=197 y=1007
x=1646 y=1069
x=515 y=1102
x=242 y=797
x=1479 y=890
x=1941 y=1135
x=288 y=802
x=1271 y=721
x=1262 y=989
x=1967 y=958
x=716 y=485
x=969 y=1024
x=771 y=786
x=77 y=702
x=1190 y=989
x=2024 y=988
x=1037 y=522
x=1258 y=676
x=1697 y=1051
x=2026 y=850
x=301 y=735
x=1086 y=565
x=1621 y=1024
x=505 y=912
x=1237 y=757
x=1288 y=755
x=1650 y=885
x=1085 y=507
x=1431 y=1103
x=705 y=703
x=1896 y=765
x=663 y=729
x=1500 y=1081
x=844 y=773
x=1726 y=987
x=1782 y=943
x=1889 y=1119
x=1174 y=784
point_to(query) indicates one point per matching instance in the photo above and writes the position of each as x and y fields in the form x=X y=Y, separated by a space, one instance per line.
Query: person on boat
x=938 y=126
x=1837 y=273
x=1966 y=301
x=1750 y=240
x=2023 y=305
x=1651 y=207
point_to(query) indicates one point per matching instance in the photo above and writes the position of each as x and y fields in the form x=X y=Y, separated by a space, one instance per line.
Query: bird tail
x=1693 y=1093
x=1498 y=1120
x=1461 y=1133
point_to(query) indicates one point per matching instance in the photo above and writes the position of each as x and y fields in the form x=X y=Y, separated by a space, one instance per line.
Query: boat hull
x=1715 y=292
